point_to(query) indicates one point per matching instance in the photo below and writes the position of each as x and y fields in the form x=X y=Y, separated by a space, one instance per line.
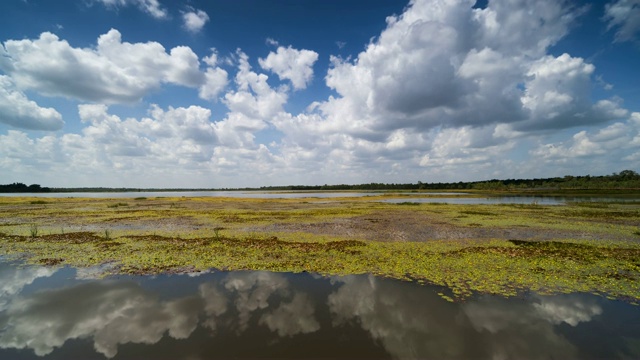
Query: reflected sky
x=55 y=314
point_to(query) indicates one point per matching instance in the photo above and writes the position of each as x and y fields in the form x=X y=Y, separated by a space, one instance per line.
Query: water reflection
x=50 y=314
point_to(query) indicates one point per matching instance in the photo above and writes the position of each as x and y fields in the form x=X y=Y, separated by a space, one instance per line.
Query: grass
x=33 y=229
x=568 y=249
x=117 y=205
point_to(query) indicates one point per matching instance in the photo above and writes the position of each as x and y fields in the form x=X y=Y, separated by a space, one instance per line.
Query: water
x=523 y=200
x=234 y=194
x=485 y=201
x=423 y=197
x=66 y=314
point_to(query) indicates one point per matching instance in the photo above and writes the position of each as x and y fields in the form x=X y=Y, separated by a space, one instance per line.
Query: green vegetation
x=33 y=229
x=116 y=205
x=22 y=188
x=497 y=249
x=624 y=180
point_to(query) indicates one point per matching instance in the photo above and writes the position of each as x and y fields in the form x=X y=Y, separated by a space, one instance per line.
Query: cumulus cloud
x=20 y=112
x=624 y=16
x=194 y=20
x=113 y=72
x=444 y=87
x=215 y=78
x=252 y=106
x=605 y=145
x=151 y=7
x=446 y=84
x=148 y=148
x=291 y=64
x=444 y=64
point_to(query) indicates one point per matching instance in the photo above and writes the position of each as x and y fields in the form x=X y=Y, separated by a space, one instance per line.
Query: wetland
x=560 y=267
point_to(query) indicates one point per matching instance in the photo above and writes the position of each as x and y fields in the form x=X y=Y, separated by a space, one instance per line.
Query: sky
x=249 y=93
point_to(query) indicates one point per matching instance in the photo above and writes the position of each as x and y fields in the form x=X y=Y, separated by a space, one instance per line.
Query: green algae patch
x=507 y=268
x=505 y=250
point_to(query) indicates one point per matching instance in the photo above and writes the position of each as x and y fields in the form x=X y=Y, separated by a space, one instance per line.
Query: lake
x=423 y=197
x=48 y=313
x=233 y=194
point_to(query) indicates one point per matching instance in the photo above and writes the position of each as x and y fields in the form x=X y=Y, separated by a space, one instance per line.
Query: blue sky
x=152 y=93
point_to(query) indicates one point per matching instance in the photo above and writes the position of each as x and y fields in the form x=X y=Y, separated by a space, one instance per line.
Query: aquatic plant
x=33 y=230
x=216 y=232
x=564 y=249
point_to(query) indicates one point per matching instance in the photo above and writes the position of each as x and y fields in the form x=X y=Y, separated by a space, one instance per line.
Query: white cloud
x=194 y=20
x=557 y=93
x=624 y=16
x=291 y=64
x=151 y=7
x=215 y=78
x=442 y=63
x=148 y=150
x=445 y=92
x=606 y=148
x=442 y=70
x=20 y=112
x=113 y=72
x=254 y=104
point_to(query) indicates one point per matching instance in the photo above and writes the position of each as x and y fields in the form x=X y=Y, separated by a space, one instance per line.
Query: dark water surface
x=66 y=314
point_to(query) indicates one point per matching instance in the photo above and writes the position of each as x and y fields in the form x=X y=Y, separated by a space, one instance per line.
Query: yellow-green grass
x=183 y=234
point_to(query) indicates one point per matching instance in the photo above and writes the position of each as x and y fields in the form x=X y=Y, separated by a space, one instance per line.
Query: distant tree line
x=22 y=188
x=626 y=179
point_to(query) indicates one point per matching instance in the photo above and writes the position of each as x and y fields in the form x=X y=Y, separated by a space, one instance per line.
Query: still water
x=540 y=200
x=234 y=194
x=523 y=200
x=48 y=313
x=423 y=197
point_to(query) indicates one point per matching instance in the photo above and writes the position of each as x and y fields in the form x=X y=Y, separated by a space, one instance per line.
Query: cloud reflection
x=408 y=321
x=111 y=312
x=292 y=318
x=118 y=312
x=13 y=279
x=413 y=322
